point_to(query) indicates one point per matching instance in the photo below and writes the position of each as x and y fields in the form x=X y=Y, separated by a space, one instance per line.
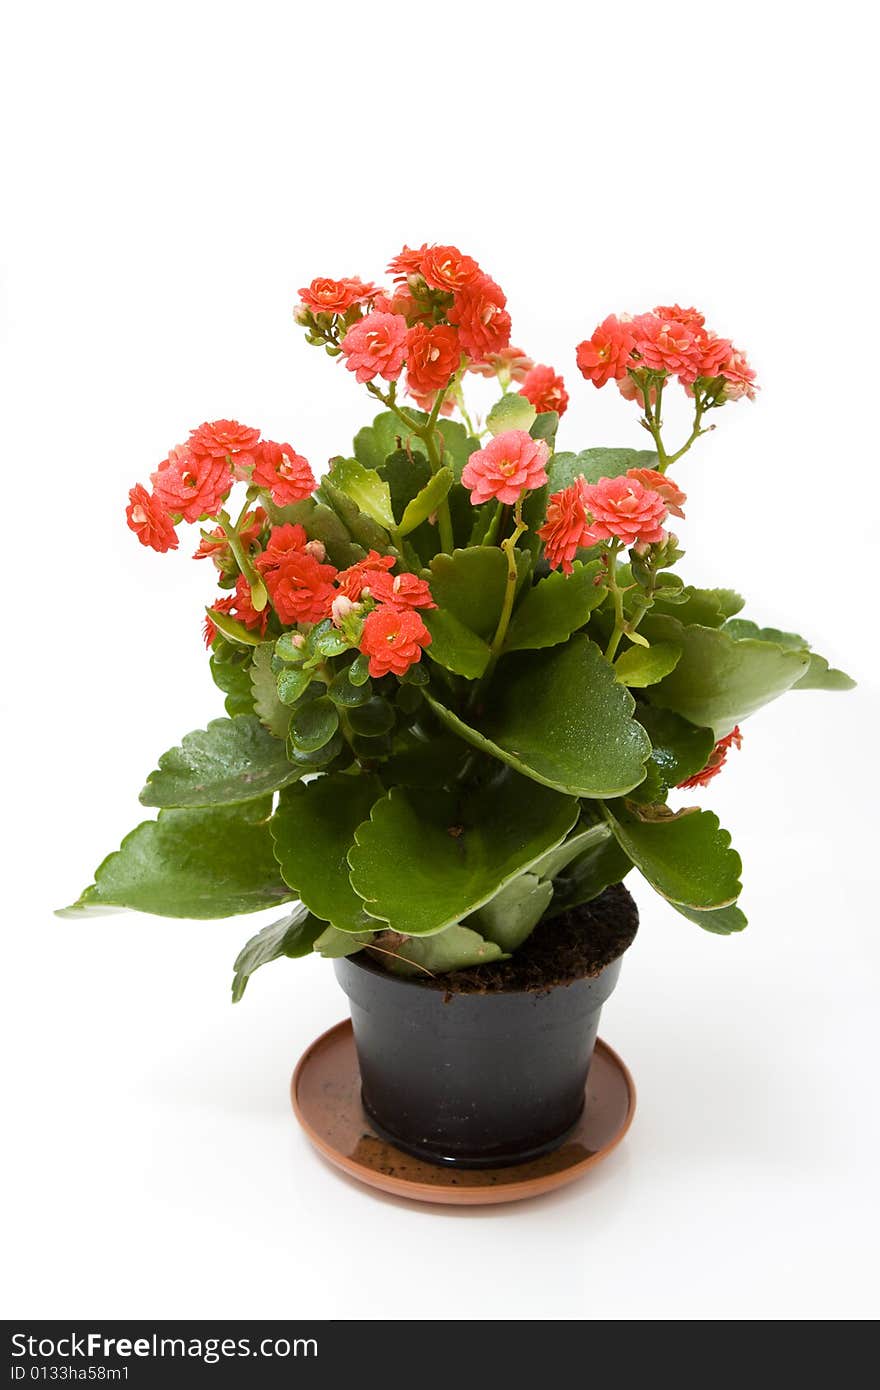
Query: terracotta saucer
x=326 y=1098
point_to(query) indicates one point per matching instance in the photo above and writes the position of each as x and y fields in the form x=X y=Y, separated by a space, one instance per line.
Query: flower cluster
x=640 y=352
x=630 y=509
x=196 y=478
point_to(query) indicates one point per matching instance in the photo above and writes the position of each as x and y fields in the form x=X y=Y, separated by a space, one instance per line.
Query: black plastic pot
x=474 y=1080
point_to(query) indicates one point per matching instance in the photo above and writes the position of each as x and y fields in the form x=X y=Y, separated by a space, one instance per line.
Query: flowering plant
x=462 y=673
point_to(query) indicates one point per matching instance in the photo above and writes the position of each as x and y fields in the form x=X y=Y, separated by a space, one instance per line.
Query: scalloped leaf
x=453 y=645
x=594 y=464
x=511 y=412
x=363 y=486
x=818 y=675
x=723 y=921
x=560 y=717
x=720 y=681
x=292 y=936
x=231 y=673
x=313 y=830
x=201 y=863
x=687 y=858
x=232 y=760
x=425 y=860
x=333 y=943
x=470 y=585
x=555 y=607
x=268 y=706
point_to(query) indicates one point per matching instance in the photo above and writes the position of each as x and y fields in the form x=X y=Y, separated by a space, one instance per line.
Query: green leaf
x=194 y=863
x=426 y=762
x=359 y=670
x=424 y=860
x=268 y=707
x=373 y=719
x=708 y=607
x=231 y=673
x=457 y=445
x=363 y=486
x=512 y=412
x=679 y=749
x=291 y=684
x=641 y=666
x=233 y=629
x=600 y=865
x=426 y=502
x=293 y=936
x=313 y=724
x=470 y=585
x=722 y=921
x=345 y=693
x=555 y=607
x=584 y=837
x=232 y=760
x=594 y=464
x=720 y=681
x=688 y=859
x=818 y=675
x=332 y=943
x=560 y=717
x=406 y=474
x=313 y=829
x=544 y=426
x=456 y=948
x=512 y=915
x=453 y=645
x=386 y=435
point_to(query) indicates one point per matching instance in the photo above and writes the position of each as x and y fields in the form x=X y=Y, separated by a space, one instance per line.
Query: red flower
x=671 y=493
x=740 y=377
x=623 y=508
x=283 y=473
x=209 y=628
x=717 y=759
x=605 y=356
x=149 y=520
x=375 y=347
x=445 y=268
x=665 y=345
x=691 y=318
x=191 y=485
x=325 y=296
x=508 y=466
x=283 y=540
x=353 y=580
x=399 y=590
x=432 y=357
x=479 y=314
x=300 y=587
x=407 y=263
x=563 y=531
x=223 y=439
x=402 y=301
x=713 y=351
x=393 y=639
x=546 y=390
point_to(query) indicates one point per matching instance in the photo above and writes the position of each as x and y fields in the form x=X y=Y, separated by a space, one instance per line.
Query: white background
x=175 y=172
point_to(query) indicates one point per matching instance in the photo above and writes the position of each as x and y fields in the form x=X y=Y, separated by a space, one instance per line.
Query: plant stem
x=617 y=599
x=653 y=423
x=259 y=597
x=508 y=545
x=426 y=433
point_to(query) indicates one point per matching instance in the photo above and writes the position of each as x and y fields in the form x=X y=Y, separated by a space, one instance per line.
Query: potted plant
x=462 y=675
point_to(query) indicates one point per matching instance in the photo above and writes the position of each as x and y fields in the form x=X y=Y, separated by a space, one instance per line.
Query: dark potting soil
x=572 y=946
